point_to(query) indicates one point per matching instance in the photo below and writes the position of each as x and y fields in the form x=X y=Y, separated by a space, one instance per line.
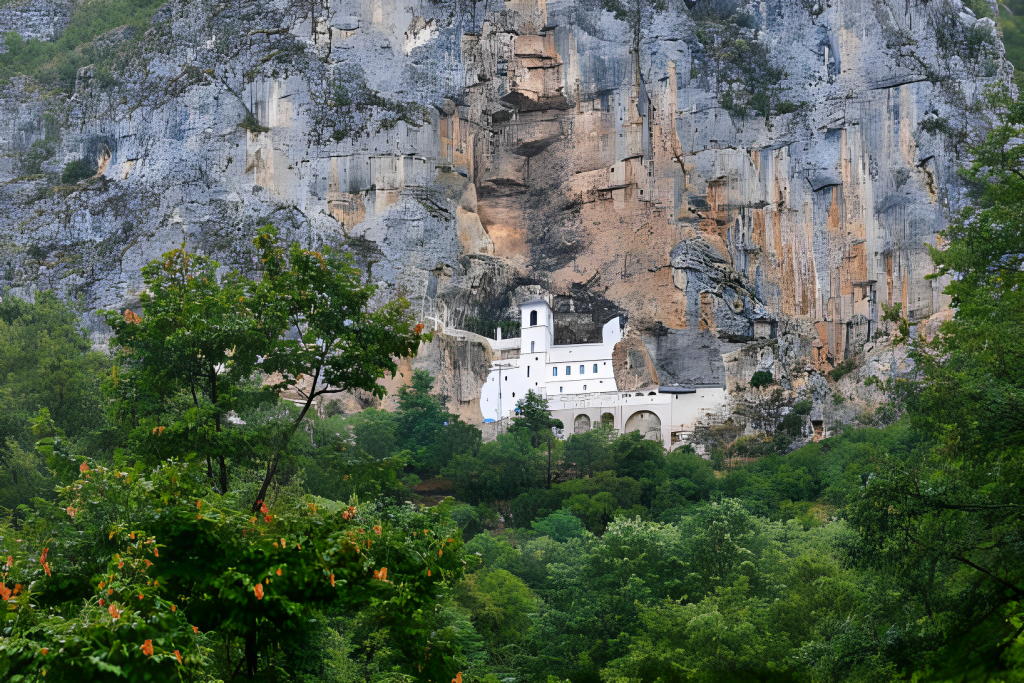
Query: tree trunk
x=251 y=660
x=272 y=466
x=216 y=422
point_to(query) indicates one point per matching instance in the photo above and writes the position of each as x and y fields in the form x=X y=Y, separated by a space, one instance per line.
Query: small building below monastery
x=587 y=384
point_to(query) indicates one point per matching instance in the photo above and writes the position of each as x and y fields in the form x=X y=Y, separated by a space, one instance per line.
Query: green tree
x=946 y=516
x=345 y=339
x=197 y=334
x=46 y=361
x=534 y=418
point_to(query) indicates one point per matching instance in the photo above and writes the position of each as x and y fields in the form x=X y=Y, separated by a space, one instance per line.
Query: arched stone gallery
x=645 y=422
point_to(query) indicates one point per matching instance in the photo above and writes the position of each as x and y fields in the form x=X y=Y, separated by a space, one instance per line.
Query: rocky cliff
x=719 y=172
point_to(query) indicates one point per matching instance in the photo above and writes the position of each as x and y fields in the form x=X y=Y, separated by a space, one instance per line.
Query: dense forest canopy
x=191 y=505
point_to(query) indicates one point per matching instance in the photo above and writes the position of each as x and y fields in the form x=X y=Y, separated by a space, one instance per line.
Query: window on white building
x=595 y=367
x=533 y=318
x=554 y=372
x=559 y=389
x=527 y=370
x=532 y=345
x=581 y=369
x=584 y=387
x=568 y=369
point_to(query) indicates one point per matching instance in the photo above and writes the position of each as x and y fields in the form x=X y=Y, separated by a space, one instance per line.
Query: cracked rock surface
x=719 y=174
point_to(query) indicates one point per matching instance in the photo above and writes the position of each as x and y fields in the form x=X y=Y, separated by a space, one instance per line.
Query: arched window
x=533 y=318
x=532 y=346
x=584 y=387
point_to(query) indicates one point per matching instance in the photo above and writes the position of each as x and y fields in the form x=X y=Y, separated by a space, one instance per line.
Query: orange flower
x=156 y=552
x=71 y=512
x=283 y=544
x=141 y=596
x=332 y=580
x=102 y=584
x=195 y=629
x=42 y=559
x=84 y=467
x=110 y=592
x=440 y=552
x=147 y=648
x=199 y=504
x=46 y=568
x=120 y=565
x=258 y=590
x=44 y=650
x=10 y=561
x=381 y=573
x=114 y=612
x=458 y=678
x=416 y=330
x=376 y=529
x=279 y=571
x=263 y=507
x=178 y=655
x=428 y=572
x=174 y=608
x=5 y=592
x=131 y=317
x=267 y=519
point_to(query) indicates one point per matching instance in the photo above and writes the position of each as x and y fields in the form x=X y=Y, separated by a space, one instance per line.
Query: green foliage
x=842 y=369
x=177 y=560
x=252 y=124
x=533 y=416
x=1011 y=23
x=733 y=53
x=761 y=378
x=949 y=506
x=202 y=335
x=560 y=525
x=79 y=169
x=45 y=364
x=55 y=64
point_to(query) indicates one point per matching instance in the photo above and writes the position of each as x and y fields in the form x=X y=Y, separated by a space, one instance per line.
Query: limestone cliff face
x=717 y=172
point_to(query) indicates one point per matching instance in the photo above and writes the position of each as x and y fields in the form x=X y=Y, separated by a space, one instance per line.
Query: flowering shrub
x=178 y=565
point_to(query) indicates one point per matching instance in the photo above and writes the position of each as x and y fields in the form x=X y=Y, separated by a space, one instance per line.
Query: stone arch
x=581 y=424
x=608 y=420
x=645 y=422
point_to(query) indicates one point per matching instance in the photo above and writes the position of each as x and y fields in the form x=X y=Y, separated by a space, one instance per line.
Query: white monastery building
x=579 y=383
